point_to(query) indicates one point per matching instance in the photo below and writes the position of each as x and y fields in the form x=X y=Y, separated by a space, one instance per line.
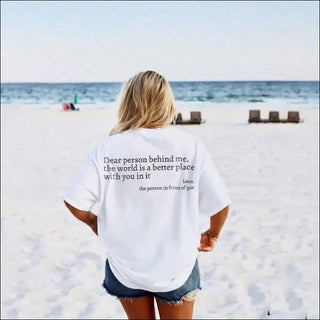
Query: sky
x=100 y=41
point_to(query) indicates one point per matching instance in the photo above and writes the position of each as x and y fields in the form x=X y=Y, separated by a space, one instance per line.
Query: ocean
x=193 y=94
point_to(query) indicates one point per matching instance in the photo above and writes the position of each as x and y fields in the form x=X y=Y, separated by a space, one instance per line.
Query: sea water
x=192 y=94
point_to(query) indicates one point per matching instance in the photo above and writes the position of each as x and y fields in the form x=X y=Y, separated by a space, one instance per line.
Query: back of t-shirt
x=151 y=185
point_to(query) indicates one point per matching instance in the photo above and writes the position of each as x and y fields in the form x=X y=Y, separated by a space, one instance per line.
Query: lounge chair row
x=293 y=117
x=195 y=118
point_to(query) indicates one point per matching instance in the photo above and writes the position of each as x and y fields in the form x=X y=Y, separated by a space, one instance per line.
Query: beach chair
x=293 y=117
x=178 y=119
x=254 y=116
x=274 y=116
x=195 y=118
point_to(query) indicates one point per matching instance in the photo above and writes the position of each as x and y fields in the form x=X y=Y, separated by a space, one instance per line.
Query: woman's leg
x=139 y=308
x=174 y=311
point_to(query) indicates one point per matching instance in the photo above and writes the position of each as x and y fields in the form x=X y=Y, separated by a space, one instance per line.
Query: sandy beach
x=267 y=258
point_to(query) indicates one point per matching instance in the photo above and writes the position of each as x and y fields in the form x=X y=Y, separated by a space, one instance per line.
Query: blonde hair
x=147 y=101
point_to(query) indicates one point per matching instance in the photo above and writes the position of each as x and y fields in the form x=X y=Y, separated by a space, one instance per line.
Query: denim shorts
x=186 y=292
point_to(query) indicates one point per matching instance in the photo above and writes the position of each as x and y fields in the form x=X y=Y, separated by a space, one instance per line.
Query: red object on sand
x=66 y=106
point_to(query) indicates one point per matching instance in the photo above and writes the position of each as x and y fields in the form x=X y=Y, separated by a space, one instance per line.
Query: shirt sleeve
x=213 y=194
x=84 y=190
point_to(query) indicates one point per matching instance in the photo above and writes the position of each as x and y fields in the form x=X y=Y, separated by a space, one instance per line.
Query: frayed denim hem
x=170 y=302
x=123 y=297
x=189 y=296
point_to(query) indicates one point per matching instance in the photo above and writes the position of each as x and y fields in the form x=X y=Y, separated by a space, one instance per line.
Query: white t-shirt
x=150 y=186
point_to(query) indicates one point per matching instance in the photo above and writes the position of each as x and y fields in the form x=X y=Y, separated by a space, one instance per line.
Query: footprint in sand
x=60 y=274
x=232 y=286
x=235 y=248
x=207 y=278
x=32 y=251
x=56 y=312
x=256 y=295
x=294 y=301
x=293 y=272
x=31 y=245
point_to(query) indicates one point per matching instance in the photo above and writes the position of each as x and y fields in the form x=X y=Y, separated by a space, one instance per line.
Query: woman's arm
x=209 y=237
x=217 y=222
x=85 y=216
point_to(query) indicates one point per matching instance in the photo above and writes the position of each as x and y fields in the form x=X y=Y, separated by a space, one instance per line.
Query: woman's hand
x=209 y=237
x=206 y=242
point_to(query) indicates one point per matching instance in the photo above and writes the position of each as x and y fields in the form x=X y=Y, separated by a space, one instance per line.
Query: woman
x=150 y=181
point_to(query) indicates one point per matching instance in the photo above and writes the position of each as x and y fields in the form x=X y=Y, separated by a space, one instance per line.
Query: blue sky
x=78 y=41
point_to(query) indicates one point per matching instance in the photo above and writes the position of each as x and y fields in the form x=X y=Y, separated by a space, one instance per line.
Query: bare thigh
x=172 y=311
x=139 y=308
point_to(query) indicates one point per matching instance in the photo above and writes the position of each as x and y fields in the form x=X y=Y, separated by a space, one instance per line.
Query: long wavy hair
x=146 y=102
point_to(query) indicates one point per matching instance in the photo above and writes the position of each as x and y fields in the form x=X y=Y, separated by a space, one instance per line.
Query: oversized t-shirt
x=149 y=186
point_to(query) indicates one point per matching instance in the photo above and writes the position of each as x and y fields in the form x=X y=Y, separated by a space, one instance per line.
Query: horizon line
x=64 y=82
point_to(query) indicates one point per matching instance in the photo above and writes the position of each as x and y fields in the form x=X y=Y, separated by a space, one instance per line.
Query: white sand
x=267 y=258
